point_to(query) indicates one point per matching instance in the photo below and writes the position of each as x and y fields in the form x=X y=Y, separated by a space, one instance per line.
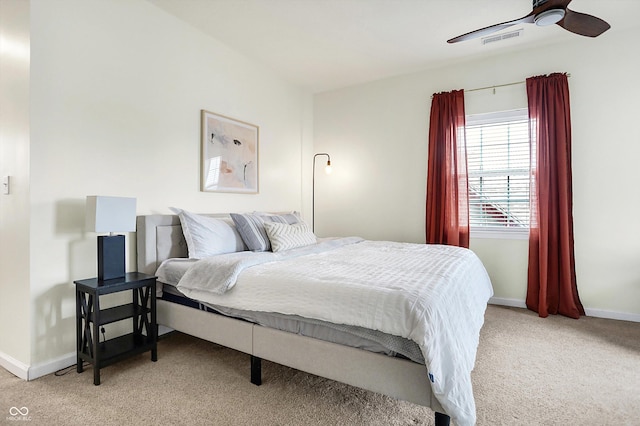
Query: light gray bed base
x=159 y=237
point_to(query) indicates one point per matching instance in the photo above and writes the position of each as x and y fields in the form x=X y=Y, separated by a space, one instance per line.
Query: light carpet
x=529 y=371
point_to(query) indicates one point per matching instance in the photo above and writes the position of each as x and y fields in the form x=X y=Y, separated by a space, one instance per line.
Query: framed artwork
x=229 y=155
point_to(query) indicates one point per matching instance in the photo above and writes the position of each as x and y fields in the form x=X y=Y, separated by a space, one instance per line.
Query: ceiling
x=327 y=44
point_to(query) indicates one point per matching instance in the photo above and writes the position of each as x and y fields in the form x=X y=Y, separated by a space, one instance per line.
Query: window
x=498 y=165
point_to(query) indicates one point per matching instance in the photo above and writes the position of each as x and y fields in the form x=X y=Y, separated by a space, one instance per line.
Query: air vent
x=501 y=37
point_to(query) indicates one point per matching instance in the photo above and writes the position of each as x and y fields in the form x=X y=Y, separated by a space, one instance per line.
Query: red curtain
x=551 y=285
x=447 y=219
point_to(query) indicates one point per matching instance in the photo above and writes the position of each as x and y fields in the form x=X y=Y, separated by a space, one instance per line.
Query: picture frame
x=229 y=154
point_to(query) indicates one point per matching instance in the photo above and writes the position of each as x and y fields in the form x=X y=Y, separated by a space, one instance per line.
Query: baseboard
x=52 y=366
x=502 y=301
x=25 y=372
x=14 y=366
x=162 y=330
x=590 y=312
x=622 y=316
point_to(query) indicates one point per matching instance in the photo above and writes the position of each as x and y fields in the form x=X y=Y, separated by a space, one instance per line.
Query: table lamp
x=110 y=214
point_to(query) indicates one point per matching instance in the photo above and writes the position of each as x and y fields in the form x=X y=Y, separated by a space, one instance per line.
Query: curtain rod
x=494 y=87
x=498 y=85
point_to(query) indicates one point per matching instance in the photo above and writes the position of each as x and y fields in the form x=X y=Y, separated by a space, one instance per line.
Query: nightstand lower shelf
x=119 y=348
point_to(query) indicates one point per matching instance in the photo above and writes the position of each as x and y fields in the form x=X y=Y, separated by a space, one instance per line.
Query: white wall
x=14 y=162
x=116 y=93
x=377 y=136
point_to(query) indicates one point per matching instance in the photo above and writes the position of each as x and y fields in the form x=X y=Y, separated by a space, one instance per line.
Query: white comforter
x=434 y=295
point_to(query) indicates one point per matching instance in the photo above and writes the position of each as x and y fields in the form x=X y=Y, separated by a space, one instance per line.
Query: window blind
x=498 y=165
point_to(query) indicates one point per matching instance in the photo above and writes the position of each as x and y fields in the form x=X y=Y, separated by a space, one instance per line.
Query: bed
x=161 y=242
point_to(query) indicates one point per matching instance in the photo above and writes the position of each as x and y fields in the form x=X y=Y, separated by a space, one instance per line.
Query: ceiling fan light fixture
x=549 y=17
x=545 y=13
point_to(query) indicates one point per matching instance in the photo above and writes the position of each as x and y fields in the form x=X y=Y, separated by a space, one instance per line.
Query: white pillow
x=208 y=236
x=285 y=237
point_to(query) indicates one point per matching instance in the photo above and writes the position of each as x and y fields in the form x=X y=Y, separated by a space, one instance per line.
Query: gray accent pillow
x=250 y=226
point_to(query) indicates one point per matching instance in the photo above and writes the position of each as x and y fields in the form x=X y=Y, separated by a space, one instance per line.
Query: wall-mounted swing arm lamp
x=313 y=189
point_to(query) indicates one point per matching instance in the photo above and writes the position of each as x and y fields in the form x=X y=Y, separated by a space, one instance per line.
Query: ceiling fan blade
x=583 y=24
x=492 y=29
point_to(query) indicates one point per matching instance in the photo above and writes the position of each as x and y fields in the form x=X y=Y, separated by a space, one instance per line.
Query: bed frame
x=160 y=237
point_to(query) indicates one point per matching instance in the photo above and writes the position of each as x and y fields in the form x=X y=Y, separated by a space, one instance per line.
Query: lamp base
x=110 y=257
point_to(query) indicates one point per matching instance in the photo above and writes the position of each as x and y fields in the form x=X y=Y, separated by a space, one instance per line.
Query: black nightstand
x=90 y=318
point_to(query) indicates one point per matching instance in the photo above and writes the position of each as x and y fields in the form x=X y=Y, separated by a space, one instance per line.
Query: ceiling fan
x=548 y=12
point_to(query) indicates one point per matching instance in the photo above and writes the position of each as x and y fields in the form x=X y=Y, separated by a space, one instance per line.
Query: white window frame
x=497 y=232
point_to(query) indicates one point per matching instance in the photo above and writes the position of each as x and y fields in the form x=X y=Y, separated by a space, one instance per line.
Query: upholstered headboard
x=158 y=237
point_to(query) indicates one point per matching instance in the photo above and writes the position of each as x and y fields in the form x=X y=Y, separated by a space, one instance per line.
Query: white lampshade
x=110 y=214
